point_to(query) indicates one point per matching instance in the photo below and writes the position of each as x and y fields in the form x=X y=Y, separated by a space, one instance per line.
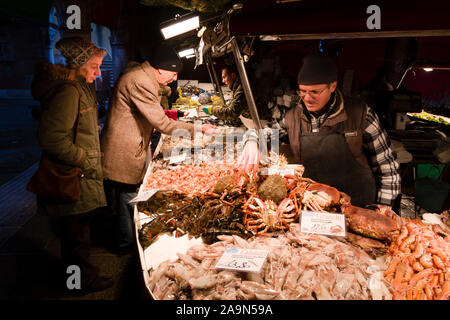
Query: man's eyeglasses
x=312 y=93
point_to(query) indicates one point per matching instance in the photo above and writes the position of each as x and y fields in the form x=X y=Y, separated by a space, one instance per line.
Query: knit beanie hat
x=166 y=58
x=317 y=68
x=77 y=50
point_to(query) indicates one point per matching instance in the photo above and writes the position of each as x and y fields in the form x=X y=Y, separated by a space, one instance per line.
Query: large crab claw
x=319 y=197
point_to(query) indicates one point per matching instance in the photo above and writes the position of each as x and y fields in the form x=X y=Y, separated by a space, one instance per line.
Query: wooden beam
x=359 y=35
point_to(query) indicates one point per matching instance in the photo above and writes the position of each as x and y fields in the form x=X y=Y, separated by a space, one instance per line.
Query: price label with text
x=238 y=259
x=331 y=224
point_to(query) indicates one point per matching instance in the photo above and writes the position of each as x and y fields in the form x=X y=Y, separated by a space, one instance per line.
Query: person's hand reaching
x=209 y=129
x=249 y=160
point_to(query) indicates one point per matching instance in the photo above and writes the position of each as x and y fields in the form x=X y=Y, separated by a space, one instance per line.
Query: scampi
x=418 y=263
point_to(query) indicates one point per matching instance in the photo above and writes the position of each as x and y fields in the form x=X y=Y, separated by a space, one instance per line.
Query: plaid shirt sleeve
x=252 y=134
x=382 y=160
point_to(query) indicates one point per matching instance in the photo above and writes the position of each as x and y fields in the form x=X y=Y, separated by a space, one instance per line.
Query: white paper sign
x=191 y=113
x=179 y=158
x=244 y=260
x=332 y=224
x=144 y=196
x=275 y=170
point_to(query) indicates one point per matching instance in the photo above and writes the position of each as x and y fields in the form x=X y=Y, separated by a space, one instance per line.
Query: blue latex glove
x=207 y=110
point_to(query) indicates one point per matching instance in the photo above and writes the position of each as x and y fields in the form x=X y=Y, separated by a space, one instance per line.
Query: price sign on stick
x=331 y=224
x=244 y=260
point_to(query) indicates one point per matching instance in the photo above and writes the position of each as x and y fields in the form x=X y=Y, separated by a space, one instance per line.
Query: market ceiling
x=293 y=19
x=309 y=19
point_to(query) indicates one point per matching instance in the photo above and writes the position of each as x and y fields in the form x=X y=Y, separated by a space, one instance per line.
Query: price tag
x=281 y=172
x=331 y=224
x=179 y=158
x=275 y=170
x=144 y=196
x=244 y=260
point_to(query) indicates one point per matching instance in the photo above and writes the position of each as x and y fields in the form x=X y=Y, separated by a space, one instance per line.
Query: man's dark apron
x=327 y=159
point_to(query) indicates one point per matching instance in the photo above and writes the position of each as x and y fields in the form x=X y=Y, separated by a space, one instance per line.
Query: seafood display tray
x=429 y=118
x=168 y=258
x=146 y=257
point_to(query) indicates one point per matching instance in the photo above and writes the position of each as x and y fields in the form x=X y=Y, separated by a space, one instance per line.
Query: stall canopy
x=310 y=19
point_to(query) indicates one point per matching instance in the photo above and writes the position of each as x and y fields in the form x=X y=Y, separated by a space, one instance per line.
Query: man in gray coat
x=134 y=113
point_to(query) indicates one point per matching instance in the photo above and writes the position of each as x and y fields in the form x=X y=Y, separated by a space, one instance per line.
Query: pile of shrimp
x=418 y=264
x=189 y=179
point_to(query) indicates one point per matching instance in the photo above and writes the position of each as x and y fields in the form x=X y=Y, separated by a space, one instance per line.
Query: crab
x=322 y=197
x=262 y=216
x=375 y=224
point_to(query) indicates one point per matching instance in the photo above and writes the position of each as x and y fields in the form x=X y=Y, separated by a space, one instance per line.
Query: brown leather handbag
x=53 y=181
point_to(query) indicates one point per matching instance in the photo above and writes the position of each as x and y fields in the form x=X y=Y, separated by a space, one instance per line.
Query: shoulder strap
x=356 y=113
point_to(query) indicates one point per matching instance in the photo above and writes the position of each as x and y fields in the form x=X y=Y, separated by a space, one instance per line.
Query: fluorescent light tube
x=186 y=52
x=180 y=27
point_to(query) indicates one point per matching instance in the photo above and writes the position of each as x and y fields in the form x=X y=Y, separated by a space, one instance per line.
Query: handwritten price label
x=244 y=260
x=331 y=224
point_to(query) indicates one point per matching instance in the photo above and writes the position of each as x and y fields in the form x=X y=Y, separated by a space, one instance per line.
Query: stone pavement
x=29 y=263
x=30 y=251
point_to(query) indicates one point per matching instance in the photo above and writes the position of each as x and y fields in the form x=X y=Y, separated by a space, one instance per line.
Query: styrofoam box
x=182 y=83
x=208 y=87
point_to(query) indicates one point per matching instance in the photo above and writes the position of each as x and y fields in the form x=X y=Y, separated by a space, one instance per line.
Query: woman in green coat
x=61 y=91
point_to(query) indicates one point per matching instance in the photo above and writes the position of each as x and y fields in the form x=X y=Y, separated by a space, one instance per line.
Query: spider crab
x=262 y=216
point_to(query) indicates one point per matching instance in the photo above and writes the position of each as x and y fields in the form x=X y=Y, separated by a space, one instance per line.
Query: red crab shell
x=370 y=223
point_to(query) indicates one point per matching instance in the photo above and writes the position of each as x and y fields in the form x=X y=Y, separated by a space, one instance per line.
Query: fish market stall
x=212 y=233
x=207 y=231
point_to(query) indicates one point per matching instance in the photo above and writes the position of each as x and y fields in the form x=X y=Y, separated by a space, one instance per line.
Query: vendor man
x=237 y=106
x=338 y=139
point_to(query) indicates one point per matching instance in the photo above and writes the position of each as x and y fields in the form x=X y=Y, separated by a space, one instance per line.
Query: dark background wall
x=22 y=44
x=135 y=29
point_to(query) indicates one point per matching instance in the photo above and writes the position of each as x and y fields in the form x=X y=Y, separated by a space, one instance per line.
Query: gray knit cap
x=77 y=50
